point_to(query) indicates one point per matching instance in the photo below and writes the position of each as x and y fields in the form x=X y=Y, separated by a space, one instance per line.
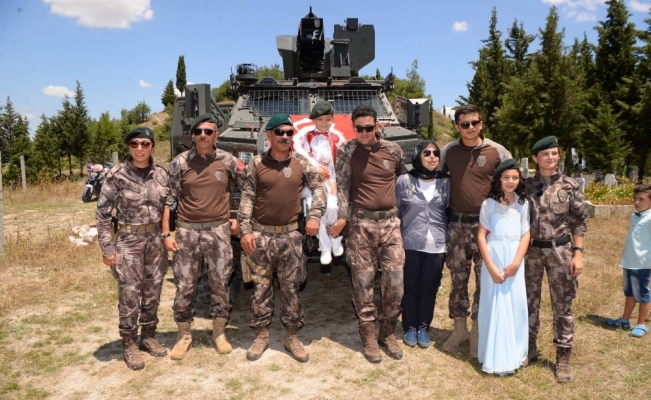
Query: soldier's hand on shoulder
x=109 y=261
x=312 y=227
x=248 y=243
x=170 y=244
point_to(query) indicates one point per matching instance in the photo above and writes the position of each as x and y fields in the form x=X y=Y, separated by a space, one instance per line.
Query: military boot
x=149 y=343
x=259 y=345
x=371 y=350
x=183 y=343
x=532 y=355
x=563 y=364
x=294 y=346
x=458 y=335
x=387 y=340
x=132 y=356
x=474 y=339
x=219 y=336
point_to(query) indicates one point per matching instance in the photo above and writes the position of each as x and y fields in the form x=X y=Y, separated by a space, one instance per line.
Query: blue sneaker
x=423 y=339
x=410 y=338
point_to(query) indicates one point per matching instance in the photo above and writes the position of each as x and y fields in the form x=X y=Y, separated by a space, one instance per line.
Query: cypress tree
x=181 y=80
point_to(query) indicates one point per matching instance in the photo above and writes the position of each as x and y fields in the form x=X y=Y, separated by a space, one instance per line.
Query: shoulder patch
x=563 y=195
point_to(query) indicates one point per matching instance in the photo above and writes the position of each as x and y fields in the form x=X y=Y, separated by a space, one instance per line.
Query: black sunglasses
x=427 y=153
x=199 y=131
x=280 y=132
x=134 y=144
x=368 y=128
x=466 y=125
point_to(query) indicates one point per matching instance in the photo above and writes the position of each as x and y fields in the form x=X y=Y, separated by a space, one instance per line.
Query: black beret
x=278 y=120
x=509 y=163
x=543 y=144
x=321 y=108
x=141 y=132
x=207 y=117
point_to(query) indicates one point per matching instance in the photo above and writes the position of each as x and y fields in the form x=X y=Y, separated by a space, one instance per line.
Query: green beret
x=278 y=120
x=321 y=108
x=543 y=144
x=141 y=132
x=509 y=163
x=207 y=117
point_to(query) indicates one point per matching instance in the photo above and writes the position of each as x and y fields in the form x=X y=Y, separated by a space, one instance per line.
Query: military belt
x=197 y=226
x=545 y=244
x=465 y=218
x=145 y=228
x=375 y=215
x=273 y=228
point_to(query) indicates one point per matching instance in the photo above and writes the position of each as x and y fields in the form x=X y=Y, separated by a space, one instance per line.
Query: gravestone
x=597 y=175
x=582 y=182
x=561 y=167
x=524 y=167
x=610 y=180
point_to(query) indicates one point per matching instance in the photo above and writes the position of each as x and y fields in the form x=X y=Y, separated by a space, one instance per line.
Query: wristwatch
x=578 y=249
x=165 y=235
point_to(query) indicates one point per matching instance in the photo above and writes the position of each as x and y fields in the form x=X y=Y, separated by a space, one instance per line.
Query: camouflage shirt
x=258 y=189
x=233 y=168
x=557 y=207
x=344 y=172
x=137 y=201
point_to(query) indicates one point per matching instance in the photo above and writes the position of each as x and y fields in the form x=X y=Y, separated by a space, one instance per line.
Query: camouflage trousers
x=562 y=290
x=462 y=254
x=374 y=245
x=213 y=247
x=282 y=253
x=140 y=265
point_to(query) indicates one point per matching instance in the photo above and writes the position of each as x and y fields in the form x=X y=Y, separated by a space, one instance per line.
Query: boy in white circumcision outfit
x=319 y=146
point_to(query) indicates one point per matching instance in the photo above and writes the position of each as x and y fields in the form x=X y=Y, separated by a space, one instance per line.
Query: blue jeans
x=636 y=284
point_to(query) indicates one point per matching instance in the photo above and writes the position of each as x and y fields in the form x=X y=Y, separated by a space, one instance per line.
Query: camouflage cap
x=543 y=144
x=278 y=120
x=509 y=163
x=141 y=132
x=207 y=117
x=321 y=108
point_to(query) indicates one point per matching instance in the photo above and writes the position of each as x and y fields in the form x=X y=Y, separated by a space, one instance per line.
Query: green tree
x=485 y=90
x=164 y=131
x=140 y=113
x=47 y=146
x=517 y=46
x=413 y=87
x=22 y=146
x=271 y=71
x=603 y=142
x=9 y=120
x=105 y=139
x=378 y=75
x=181 y=80
x=224 y=92
x=168 y=97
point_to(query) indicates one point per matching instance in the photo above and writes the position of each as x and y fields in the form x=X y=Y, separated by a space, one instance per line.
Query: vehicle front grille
x=267 y=103
x=344 y=101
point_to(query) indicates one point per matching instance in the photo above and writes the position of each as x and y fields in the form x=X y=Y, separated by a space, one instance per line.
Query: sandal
x=619 y=322
x=639 y=330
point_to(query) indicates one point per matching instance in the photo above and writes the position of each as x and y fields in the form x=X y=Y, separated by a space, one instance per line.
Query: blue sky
x=125 y=51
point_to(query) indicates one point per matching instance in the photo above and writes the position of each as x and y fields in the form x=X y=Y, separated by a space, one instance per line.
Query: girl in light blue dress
x=503 y=238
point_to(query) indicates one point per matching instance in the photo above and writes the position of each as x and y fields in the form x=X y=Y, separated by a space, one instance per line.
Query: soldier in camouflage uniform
x=367 y=168
x=471 y=161
x=200 y=182
x=269 y=208
x=558 y=225
x=136 y=189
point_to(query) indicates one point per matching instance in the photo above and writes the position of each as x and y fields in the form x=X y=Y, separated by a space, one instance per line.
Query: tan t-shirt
x=373 y=179
x=278 y=191
x=206 y=192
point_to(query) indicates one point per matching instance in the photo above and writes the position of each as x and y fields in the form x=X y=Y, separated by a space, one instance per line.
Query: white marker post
x=22 y=172
x=2 y=225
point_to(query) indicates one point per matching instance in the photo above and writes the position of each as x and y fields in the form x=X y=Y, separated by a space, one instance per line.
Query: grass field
x=59 y=337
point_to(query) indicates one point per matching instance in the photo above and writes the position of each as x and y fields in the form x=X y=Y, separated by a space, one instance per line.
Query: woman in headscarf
x=422 y=196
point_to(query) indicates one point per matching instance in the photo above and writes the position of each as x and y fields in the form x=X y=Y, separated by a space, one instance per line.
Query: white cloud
x=460 y=26
x=144 y=84
x=57 y=91
x=29 y=116
x=639 y=6
x=103 y=13
x=579 y=10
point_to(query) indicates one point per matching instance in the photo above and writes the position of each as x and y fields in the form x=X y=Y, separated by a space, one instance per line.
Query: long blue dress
x=503 y=317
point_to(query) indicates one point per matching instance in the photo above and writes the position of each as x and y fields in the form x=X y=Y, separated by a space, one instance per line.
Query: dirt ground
x=64 y=344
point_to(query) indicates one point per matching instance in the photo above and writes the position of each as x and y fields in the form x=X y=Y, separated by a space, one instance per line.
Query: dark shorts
x=636 y=284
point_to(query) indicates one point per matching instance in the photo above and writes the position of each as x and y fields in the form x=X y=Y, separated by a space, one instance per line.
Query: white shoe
x=326 y=257
x=337 y=247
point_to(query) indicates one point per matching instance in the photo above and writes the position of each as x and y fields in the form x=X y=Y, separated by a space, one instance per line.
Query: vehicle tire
x=87 y=194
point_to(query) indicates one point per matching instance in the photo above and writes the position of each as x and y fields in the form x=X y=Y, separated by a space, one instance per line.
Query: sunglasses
x=280 y=132
x=427 y=153
x=134 y=144
x=466 y=125
x=199 y=131
x=368 y=128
